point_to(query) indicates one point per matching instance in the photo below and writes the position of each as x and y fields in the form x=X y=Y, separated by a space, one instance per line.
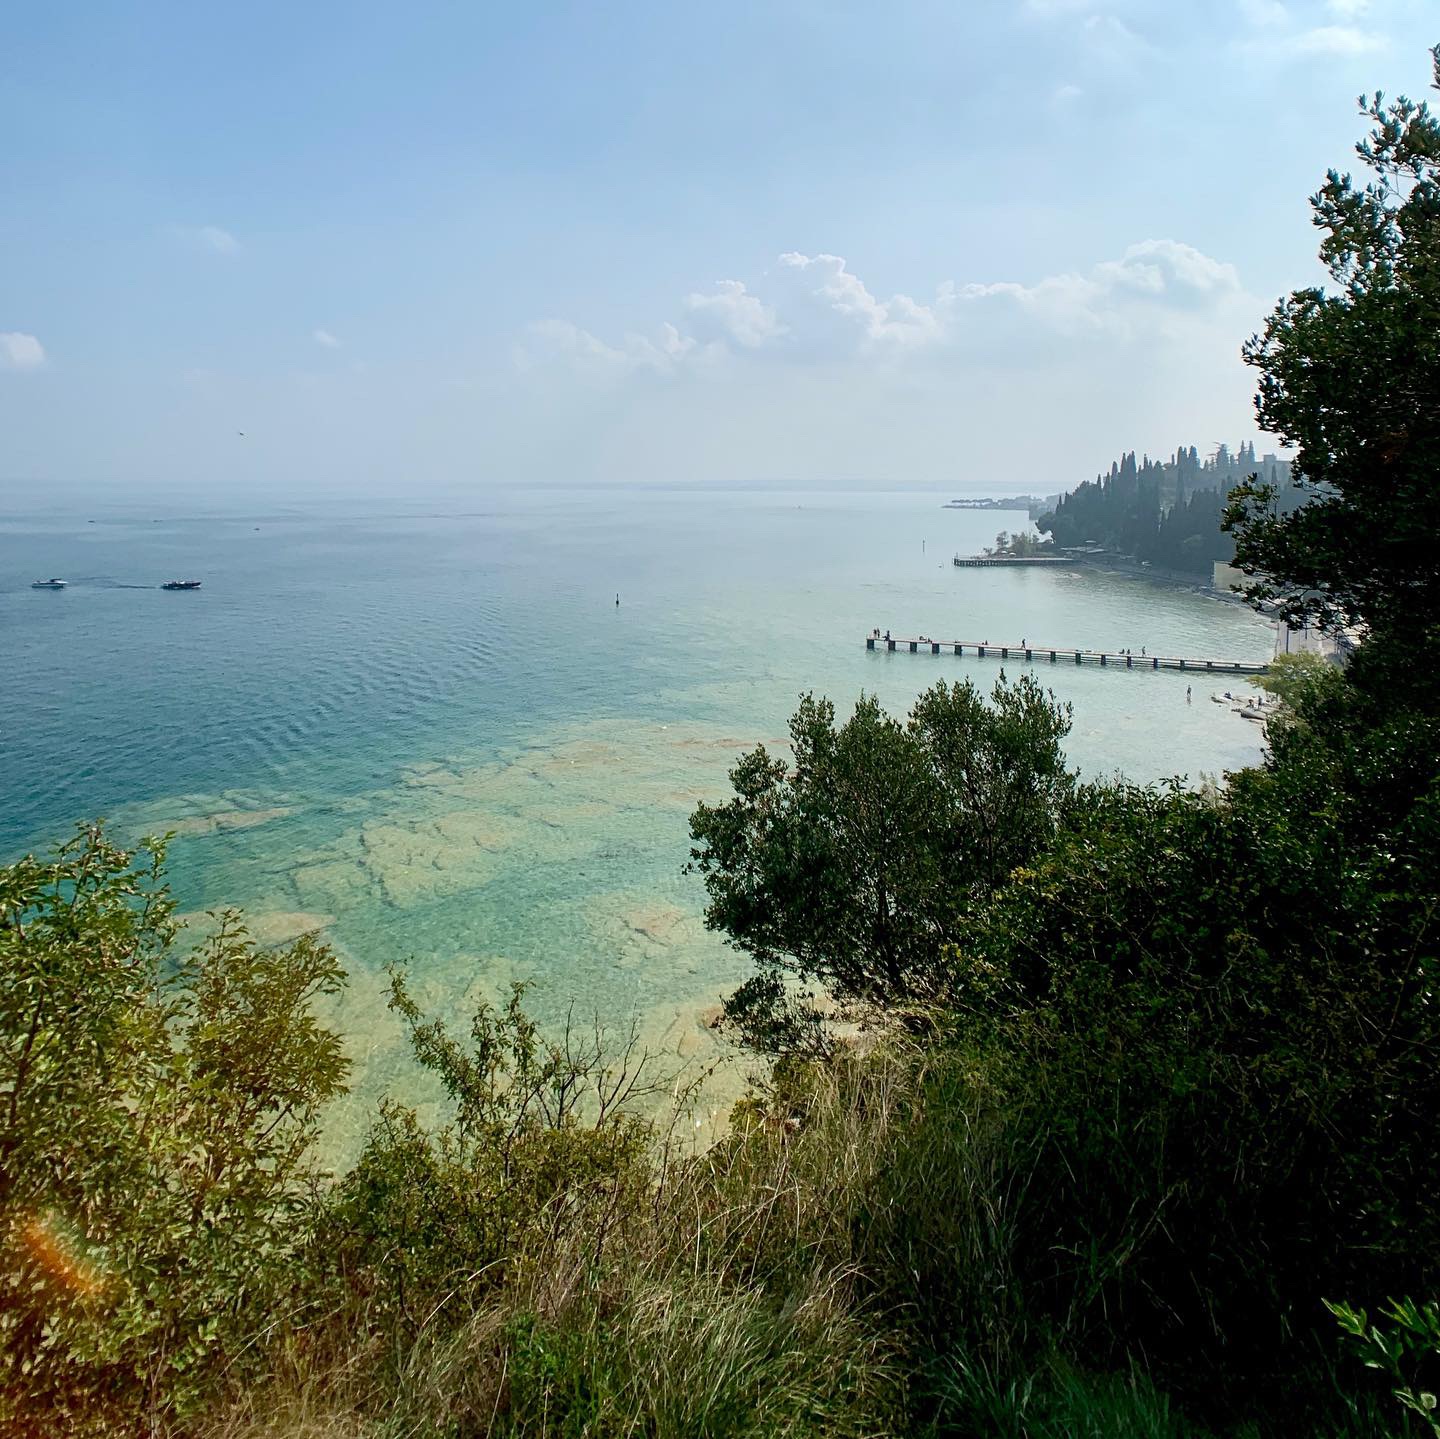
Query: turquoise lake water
x=437 y=736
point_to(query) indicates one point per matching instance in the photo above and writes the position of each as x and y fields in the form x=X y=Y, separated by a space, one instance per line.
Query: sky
x=360 y=249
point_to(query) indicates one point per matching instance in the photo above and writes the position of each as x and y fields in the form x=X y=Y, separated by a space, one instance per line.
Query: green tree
x=1294 y=678
x=853 y=866
x=1351 y=378
x=157 y=1109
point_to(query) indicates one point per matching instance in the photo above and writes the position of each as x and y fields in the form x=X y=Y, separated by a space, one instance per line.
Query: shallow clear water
x=438 y=735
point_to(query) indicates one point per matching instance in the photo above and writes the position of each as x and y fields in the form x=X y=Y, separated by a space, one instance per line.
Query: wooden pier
x=1065 y=655
x=1012 y=561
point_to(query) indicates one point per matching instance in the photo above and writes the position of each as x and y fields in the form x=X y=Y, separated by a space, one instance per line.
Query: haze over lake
x=439 y=736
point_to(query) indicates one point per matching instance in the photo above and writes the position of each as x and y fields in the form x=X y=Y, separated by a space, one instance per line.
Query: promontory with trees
x=1166 y=513
x=1138 y=1136
x=1169 y=514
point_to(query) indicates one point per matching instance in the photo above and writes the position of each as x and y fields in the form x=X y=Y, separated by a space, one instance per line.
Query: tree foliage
x=1215 y=1016
x=1201 y=1024
x=1351 y=378
x=1021 y=545
x=1405 y=1348
x=157 y=1108
x=854 y=864
x=1165 y=512
x=1293 y=678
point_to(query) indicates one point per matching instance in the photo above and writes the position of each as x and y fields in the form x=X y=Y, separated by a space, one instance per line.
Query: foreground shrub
x=1217 y=1032
x=157 y=1108
x=541 y=1138
x=1405 y=1348
x=1055 y=1401
x=686 y=1358
x=896 y=1238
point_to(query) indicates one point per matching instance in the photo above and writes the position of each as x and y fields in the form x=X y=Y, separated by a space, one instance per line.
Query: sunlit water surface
x=438 y=736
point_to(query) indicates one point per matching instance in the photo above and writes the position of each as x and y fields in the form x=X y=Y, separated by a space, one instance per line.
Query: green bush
x=669 y=1293
x=542 y=1138
x=1055 y=1402
x=899 y=1237
x=1218 y=1043
x=1406 y=1350
x=157 y=1108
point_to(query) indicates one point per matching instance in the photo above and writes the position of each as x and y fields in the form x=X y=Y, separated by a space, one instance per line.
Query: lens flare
x=59 y=1254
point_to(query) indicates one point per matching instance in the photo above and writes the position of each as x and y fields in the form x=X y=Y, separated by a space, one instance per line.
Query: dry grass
x=730 y=1300
x=838 y=1266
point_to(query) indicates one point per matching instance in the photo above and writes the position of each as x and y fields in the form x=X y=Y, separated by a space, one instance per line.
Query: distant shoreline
x=1104 y=560
x=1030 y=504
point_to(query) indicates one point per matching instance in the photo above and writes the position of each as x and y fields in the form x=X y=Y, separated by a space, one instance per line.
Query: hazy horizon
x=978 y=251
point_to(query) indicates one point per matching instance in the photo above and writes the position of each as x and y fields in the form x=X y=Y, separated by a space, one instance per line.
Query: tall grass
x=733 y=1300
x=840 y=1264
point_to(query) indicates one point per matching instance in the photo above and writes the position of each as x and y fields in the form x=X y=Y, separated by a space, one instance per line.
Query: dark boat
x=181 y=585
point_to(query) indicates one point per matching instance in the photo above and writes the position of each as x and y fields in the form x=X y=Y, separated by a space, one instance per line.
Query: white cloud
x=817 y=310
x=1059 y=304
x=898 y=321
x=1275 y=37
x=1336 y=40
x=551 y=340
x=1109 y=27
x=1264 y=12
x=19 y=351
x=221 y=241
x=1157 y=267
x=207 y=237
x=1156 y=288
x=1112 y=42
x=731 y=311
x=325 y=338
x=1097 y=36
x=1065 y=94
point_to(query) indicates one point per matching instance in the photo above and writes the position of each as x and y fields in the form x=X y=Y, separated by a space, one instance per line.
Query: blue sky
x=446 y=247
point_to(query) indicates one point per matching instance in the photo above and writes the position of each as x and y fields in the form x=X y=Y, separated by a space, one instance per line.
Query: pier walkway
x=1032 y=561
x=1066 y=655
